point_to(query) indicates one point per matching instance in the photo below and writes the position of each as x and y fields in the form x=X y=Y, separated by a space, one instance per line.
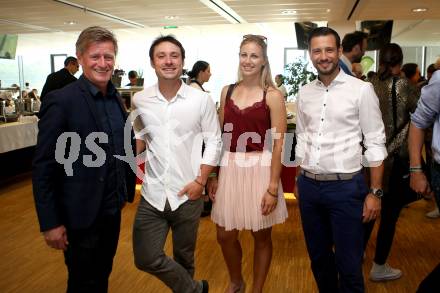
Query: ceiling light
x=288 y=12
x=419 y=9
x=224 y=10
x=171 y=17
x=70 y=22
x=101 y=14
x=328 y=10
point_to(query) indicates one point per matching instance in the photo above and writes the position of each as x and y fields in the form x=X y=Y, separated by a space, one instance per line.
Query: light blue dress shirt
x=428 y=112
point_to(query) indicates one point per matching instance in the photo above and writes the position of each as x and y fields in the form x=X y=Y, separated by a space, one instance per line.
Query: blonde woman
x=248 y=193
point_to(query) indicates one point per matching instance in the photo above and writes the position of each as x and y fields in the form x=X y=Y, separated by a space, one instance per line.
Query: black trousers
x=397 y=197
x=89 y=256
x=431 y=283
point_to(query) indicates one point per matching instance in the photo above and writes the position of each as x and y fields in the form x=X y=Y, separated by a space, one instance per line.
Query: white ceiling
x=35 y=16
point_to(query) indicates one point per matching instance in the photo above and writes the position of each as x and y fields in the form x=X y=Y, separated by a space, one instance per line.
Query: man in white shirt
x=334 y=113
x=172 y=119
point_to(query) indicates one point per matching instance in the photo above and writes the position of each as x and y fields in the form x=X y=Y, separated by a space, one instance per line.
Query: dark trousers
x=150 y=230
x=431 y=283
x=331 y=215
x=435 y=181
x=89 y=255
x=399 y=195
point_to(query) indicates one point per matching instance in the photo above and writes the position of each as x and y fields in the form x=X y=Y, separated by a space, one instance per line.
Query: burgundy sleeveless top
x=253 y=120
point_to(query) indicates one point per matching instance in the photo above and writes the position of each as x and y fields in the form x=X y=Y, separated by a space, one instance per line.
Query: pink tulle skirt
x=242 y=182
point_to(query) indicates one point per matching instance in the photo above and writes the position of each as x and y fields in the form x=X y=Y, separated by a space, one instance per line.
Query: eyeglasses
x=251 y=36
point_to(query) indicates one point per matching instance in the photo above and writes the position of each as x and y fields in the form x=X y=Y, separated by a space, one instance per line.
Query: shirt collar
x=340 y=78
x=111 y=90
x=153 y=92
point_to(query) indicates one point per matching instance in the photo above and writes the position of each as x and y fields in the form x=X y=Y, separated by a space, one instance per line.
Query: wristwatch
x=377 y=192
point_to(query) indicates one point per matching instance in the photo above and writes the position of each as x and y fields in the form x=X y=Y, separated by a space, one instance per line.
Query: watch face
x=379 y=193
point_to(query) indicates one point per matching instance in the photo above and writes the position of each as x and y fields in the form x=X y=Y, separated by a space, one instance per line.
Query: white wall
x=216 y=44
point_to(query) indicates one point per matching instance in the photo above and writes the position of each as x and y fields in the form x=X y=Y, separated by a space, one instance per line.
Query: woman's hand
x=268 y=203
x=212 y=185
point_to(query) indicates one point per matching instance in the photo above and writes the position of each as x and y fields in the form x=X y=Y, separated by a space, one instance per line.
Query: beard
x=327 y=71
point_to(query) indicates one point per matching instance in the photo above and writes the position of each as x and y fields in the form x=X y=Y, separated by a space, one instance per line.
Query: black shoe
x=205 y=214
x=205 y=286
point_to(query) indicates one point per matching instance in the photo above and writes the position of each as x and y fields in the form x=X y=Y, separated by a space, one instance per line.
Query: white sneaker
x=433 y=214
x=384 y=272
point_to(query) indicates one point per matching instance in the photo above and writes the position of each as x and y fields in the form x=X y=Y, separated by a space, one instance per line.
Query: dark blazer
x=72 y=201
x=345 y=68
x=57 y=80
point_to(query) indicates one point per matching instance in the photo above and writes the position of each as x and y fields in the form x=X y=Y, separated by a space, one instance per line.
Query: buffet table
x=18 y=135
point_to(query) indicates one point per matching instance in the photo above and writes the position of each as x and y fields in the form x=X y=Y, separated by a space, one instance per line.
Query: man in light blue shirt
x=427 y=113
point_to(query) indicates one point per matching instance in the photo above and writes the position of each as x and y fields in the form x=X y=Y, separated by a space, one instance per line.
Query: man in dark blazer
x=80 y=183
x=62 y=77
x=354 y=46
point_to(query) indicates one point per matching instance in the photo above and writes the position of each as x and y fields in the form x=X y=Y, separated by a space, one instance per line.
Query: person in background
x=426 y=115
x=174 y=119
x=279 y=81
x=199 y=74
x=336 y=112
x=397 y=99
x=357 y=70
x=354 y=46
x=412 y=72
x=248 y=194
x=79 y=206
x=26 y=87
x=371 y=75
x=132 y=77
x=62 y=77
x=36 y=101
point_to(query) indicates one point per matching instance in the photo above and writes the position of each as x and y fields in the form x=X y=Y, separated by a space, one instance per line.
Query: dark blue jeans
x=331 y=214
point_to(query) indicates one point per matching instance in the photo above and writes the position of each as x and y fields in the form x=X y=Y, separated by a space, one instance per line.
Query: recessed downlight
x=419 y=9
x=288 y=12
x=70 y=22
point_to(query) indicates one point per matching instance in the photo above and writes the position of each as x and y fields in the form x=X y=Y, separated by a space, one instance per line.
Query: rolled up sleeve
x=428 y=106
x=372 y=127
x=211 y=134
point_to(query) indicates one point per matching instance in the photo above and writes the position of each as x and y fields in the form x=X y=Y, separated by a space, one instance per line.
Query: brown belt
x=329 y=177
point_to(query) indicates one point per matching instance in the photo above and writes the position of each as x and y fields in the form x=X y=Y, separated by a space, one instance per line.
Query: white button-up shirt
x=330 y=123
x=173 y=131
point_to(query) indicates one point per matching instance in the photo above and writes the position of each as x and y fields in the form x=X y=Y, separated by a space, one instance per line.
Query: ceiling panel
x=25 y=16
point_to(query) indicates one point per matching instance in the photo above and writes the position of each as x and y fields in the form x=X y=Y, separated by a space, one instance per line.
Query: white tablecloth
x=18 y=135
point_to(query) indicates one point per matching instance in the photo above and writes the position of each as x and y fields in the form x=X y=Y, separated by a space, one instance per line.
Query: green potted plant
x=140 y=79
x=297 y=76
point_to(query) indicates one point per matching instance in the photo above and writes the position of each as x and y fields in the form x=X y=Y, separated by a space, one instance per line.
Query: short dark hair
x=167 y=38
x=409 y=69
x=431 y=68
x=70 y=59
x=324 y=31
x=352 y=39
x=132 y=74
